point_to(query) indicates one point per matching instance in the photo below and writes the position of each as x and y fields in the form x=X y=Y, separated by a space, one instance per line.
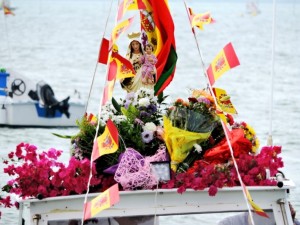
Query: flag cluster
x=158 y=29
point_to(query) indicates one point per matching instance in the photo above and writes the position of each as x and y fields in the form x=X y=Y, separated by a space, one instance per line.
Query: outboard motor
x=45 y=94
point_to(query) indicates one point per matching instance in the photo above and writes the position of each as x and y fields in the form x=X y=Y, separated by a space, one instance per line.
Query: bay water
x=58 y=42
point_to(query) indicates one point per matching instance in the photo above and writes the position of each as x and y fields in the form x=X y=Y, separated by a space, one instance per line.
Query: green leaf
x=116 y=105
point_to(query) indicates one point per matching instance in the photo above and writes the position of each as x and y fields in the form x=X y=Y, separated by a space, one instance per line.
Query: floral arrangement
x=188 y=133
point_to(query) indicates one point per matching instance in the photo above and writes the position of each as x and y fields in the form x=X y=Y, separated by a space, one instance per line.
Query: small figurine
x=148 y=61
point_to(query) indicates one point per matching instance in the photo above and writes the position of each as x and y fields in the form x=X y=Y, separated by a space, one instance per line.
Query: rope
x=7 y=37
x=223 y=125
x=270 y=140
x=93 y=79
x=97 y=130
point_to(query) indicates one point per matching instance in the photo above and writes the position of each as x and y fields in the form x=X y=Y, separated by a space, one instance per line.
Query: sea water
x=58 y=42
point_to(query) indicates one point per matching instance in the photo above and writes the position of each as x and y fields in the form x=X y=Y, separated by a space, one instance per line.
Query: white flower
x=150 y=127
x=144 y=102
x=198 y=148
x=119 y=119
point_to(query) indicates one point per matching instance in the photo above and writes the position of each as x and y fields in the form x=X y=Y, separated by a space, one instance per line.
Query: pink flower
x=212 y=191
x=181 y=189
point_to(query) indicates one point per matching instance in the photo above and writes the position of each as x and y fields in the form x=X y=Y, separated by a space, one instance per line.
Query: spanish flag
x=124 y=66
x=103 y=201
x=104 y=50
x=223 y=101
x=110 y=81
x=224 y=61
x=108 y=90
x=129 y=5
x=198 y=20
x=119 y=29
x=158 y=26
x=106 y=143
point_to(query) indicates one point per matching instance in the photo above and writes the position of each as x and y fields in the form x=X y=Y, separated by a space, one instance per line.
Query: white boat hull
x=24 y=103
x=30 y=114
x=59 y=210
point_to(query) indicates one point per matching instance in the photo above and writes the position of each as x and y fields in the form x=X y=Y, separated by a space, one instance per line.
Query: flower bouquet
x=187 y=125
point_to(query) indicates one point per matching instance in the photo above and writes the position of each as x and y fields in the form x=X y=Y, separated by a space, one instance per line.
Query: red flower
x=212 y=191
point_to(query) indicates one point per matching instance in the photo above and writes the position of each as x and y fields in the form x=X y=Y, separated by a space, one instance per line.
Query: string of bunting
x=225 y=60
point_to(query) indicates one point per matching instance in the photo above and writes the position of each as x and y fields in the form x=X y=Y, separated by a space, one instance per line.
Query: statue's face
x=135 y=45
x=148 y=50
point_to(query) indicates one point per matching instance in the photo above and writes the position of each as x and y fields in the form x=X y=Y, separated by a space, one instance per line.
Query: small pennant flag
x=110 y=82
x=106 y=143
x=103 y=201
x=119 y=29
x=129 y=5
x=104 y=50
x=7 y=11
x=124 y=66
x=108 y=91
x=254 y=206
x=223 y=101
x=198 y=20
x=221 y=114
x=224 y=61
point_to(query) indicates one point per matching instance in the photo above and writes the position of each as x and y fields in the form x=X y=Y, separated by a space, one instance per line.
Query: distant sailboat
x=252 y=8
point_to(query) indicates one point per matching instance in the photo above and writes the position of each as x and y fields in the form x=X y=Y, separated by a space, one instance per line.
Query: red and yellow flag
x=158 y=29
x=103 y=201
x=108 y=91
x=254 y=206
x=129 y=5
x=224 y=61
x=124 y=66
x=106 y=143
x=110 y=82
x=223 y=101
x=104 y=50
x=119 y=29
x=198 y=20
x=7 y=11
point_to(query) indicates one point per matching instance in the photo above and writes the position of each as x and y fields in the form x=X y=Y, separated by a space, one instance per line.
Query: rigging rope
x=93 y=79
x=224 y=126
x=97 y=129
x=270 y=139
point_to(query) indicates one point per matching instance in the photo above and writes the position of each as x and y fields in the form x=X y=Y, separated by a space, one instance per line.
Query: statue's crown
x=134 y=35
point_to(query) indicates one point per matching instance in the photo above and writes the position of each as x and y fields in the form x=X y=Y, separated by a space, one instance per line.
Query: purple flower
x=138 y=121
x=130 y=96
x=127 y=103
x=204 y=100
x=144 y=114
x=152 y=108
x=147 y=136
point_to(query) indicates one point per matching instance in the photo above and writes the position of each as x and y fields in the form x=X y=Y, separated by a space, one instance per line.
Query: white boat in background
x=28 y=104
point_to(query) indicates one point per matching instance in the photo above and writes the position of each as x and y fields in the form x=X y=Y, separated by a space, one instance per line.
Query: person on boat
x=148 y=65
x=244 y=219
x=134 y=54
